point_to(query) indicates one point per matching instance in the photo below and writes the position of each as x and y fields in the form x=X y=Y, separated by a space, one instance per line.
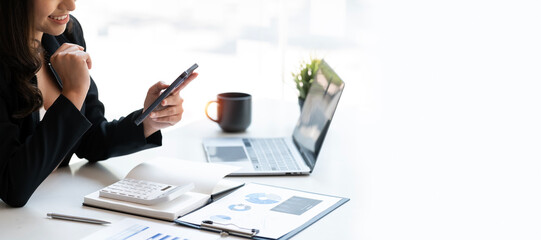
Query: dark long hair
x=19 y=53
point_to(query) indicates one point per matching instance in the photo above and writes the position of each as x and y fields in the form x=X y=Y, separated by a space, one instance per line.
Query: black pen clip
x=56 y=77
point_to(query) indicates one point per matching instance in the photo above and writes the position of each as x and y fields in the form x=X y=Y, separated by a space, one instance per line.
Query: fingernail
x=152 y=115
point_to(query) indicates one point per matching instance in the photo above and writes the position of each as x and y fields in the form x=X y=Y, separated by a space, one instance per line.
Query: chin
x=53 y=30
x=57 y=31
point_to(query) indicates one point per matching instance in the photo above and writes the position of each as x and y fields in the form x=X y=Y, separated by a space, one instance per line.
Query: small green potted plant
x=304 y=77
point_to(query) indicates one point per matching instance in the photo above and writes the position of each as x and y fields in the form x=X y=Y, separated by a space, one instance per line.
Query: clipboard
x=292 y=206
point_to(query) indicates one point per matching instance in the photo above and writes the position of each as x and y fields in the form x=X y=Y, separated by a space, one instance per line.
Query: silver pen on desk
x=75 y=218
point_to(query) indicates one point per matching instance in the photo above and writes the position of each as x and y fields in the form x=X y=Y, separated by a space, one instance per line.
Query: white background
x=444 y=94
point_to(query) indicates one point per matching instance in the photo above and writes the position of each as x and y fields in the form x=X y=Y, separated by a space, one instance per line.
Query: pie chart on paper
x=220 y=218
x=239 y=207
x=263 y=198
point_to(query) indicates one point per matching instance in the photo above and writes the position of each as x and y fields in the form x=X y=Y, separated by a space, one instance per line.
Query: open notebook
x=207 y=179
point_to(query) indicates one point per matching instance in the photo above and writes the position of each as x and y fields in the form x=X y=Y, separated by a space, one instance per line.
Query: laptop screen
x=317 y=112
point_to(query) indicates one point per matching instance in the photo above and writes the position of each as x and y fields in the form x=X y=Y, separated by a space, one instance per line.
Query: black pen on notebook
x=75 y=218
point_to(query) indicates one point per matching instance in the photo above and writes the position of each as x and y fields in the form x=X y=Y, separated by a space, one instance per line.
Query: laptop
x=287 y=155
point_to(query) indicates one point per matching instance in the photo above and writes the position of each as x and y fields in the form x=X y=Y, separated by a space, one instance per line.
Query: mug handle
x=206 y=110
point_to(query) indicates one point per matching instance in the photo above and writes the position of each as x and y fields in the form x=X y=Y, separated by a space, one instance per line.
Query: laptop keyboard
x=270 y=154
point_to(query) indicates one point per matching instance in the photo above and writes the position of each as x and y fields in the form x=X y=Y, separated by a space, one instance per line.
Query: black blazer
x=31 y=149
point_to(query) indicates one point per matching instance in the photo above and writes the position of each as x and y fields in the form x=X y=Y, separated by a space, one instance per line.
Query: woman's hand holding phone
x=170 y=110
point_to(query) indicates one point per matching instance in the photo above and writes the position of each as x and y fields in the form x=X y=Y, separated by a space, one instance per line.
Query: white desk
x=63 y=191
x=410 y=174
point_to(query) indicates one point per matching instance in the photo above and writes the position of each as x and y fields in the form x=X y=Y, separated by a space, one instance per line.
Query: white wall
x=240 y=45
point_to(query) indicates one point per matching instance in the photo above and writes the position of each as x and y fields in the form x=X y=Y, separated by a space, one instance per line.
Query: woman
x=49 y=107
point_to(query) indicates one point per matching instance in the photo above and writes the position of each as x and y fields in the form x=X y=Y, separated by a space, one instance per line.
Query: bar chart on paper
x=132 y=229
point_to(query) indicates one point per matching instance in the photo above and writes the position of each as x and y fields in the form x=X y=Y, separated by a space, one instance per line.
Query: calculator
x=144 y=192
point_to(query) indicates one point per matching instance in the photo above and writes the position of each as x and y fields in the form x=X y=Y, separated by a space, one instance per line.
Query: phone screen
x=165 y=93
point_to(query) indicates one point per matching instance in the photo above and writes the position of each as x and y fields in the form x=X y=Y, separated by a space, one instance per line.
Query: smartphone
x=166 y=93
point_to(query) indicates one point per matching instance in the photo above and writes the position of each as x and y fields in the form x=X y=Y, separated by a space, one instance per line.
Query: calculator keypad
x=143 y=192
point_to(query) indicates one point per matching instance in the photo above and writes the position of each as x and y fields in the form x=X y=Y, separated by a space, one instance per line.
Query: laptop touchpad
x=227 y=154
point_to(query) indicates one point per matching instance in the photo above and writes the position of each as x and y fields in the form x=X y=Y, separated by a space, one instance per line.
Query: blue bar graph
x=155 y=236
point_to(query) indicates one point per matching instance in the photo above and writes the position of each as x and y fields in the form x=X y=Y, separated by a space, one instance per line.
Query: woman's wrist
x=147 y=131
x=75 y=98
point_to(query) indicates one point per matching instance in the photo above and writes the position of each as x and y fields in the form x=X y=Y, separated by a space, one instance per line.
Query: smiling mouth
x=59 y=18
